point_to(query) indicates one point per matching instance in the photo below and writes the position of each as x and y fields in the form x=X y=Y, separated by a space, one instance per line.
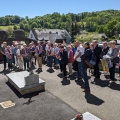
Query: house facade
x=52 y=35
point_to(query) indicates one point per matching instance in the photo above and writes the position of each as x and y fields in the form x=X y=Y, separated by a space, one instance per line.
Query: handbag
x=75 y=65
x=115 y=60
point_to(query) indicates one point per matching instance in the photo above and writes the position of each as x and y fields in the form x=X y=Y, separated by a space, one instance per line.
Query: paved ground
x=103 y=101
x=36 y=106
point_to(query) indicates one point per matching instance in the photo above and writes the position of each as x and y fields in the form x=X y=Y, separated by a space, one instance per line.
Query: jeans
x=26 y=61
x=9 y=63
x=85 y=77
x=13 y=59
x=79 y=69
x=112 y=72
x=56 y=61
x=50 y=58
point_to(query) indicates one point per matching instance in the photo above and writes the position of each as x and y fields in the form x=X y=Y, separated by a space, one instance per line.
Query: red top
x=48 y=52
x=70 y=57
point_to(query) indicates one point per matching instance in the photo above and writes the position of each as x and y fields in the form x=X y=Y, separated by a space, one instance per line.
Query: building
x=53 y=35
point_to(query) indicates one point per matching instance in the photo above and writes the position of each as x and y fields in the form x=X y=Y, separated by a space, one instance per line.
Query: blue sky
x=34 y=8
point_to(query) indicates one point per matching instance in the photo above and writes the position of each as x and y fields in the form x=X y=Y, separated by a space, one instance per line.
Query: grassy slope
x=5 y=27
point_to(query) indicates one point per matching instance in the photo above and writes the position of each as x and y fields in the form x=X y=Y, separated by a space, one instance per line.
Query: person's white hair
x=55 y=44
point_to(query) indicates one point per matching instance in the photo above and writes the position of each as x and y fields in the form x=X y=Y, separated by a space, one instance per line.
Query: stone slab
x=18 y=81
x=32 y=79
x=88 y=116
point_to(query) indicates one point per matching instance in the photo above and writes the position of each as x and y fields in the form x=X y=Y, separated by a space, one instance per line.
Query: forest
x=106 y=21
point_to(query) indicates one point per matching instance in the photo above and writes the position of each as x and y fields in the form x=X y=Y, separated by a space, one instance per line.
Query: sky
x=32 y=8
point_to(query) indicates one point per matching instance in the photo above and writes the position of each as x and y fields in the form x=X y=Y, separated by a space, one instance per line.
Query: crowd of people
x=74 y=55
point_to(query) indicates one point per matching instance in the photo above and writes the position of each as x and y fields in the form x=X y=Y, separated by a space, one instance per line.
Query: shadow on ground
x=50 y=71
x=65 y=81
x=114 y=86
x=91 y=99
x=99 y=82
x=30 y=95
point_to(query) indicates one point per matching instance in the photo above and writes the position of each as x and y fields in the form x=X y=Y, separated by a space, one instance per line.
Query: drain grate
x=7 y=104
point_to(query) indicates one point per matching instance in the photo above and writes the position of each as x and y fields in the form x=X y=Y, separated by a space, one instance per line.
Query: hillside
x=107 y=21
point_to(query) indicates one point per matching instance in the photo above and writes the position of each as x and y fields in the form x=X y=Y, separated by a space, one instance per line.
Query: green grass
x=6 y=27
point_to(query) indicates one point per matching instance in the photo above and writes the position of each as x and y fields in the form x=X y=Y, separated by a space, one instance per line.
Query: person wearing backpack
x=86 y=57
x=97 y=51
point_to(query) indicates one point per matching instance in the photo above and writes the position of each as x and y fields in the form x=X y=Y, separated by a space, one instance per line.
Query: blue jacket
x=64 y=57
x=86 y=56
x=15 y=51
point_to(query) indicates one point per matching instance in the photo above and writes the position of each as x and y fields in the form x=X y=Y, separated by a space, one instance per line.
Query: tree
x=10 y=30
x=27 y=28
x=27 y=18
x=15 y=27
x=7 y=21
x=34 y=25
x=22 y=26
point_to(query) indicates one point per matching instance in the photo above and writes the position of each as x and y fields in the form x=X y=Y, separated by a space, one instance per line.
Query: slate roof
x=19 y=33
x=48 y=34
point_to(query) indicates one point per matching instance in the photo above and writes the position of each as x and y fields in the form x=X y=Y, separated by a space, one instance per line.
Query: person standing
x=15 y=53
x=64 y=60
x=50 y=53
x=104 y=52
x=8 y=54
x=32 y=54
x=44 y=51
x=70 y=59
x=97 y=51
x=38 y=53
x=3 y=53
x=56 y=50
x=86 y=57
x=19 y=58
x=79 y=52
x=26 y=56
x=112 y=53
x=12 y=49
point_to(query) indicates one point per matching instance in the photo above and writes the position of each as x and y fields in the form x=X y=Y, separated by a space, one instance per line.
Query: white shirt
x=18 y=52
x=46 y=47
x=80 y=49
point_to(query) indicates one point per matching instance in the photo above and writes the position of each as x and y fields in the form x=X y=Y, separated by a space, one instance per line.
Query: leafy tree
x=15 y=27
x=34 y=25
x=27 y=28
x=10 y=30
x=22 y=26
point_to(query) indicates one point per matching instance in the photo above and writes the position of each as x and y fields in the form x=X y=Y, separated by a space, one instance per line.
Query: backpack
x=93 y=59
